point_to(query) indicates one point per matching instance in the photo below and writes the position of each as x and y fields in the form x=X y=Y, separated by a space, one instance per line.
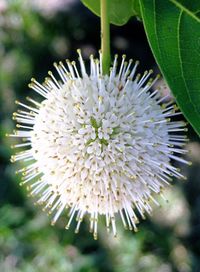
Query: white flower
x=98 y=144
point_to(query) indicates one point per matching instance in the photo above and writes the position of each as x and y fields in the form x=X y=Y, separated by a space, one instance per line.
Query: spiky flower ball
x=98 y=144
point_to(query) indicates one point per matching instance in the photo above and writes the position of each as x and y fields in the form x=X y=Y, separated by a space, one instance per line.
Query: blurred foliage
x=33 y=34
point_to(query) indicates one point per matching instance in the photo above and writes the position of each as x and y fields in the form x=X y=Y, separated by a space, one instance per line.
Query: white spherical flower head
x=98 y=144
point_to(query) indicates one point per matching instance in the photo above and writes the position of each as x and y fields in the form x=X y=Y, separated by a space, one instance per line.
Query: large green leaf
x=120 y=11
x=173 y=31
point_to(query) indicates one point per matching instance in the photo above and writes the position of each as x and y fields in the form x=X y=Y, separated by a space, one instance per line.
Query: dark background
x=34 y=34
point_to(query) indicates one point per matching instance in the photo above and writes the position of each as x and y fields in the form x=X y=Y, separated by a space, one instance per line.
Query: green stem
x=105 y=36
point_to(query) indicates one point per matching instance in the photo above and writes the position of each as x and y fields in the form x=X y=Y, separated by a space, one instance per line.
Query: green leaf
x=120 y=11
x=193 y=6
x=173 y=31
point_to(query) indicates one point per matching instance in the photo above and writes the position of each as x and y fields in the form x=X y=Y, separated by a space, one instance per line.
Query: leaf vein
x=183 y=8
x=181 y=63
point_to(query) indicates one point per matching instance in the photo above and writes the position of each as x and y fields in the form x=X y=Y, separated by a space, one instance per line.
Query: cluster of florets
x=98 y=144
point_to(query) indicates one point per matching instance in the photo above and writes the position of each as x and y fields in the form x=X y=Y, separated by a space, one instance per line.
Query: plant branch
x=105 y=36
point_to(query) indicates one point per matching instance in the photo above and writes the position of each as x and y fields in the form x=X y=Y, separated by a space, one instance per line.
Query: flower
x=98 y=144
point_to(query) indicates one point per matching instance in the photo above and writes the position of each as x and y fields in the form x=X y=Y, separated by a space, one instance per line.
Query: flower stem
x=105 y=36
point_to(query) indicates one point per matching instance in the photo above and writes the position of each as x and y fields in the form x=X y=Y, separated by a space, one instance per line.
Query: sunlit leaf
x=173 y=31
